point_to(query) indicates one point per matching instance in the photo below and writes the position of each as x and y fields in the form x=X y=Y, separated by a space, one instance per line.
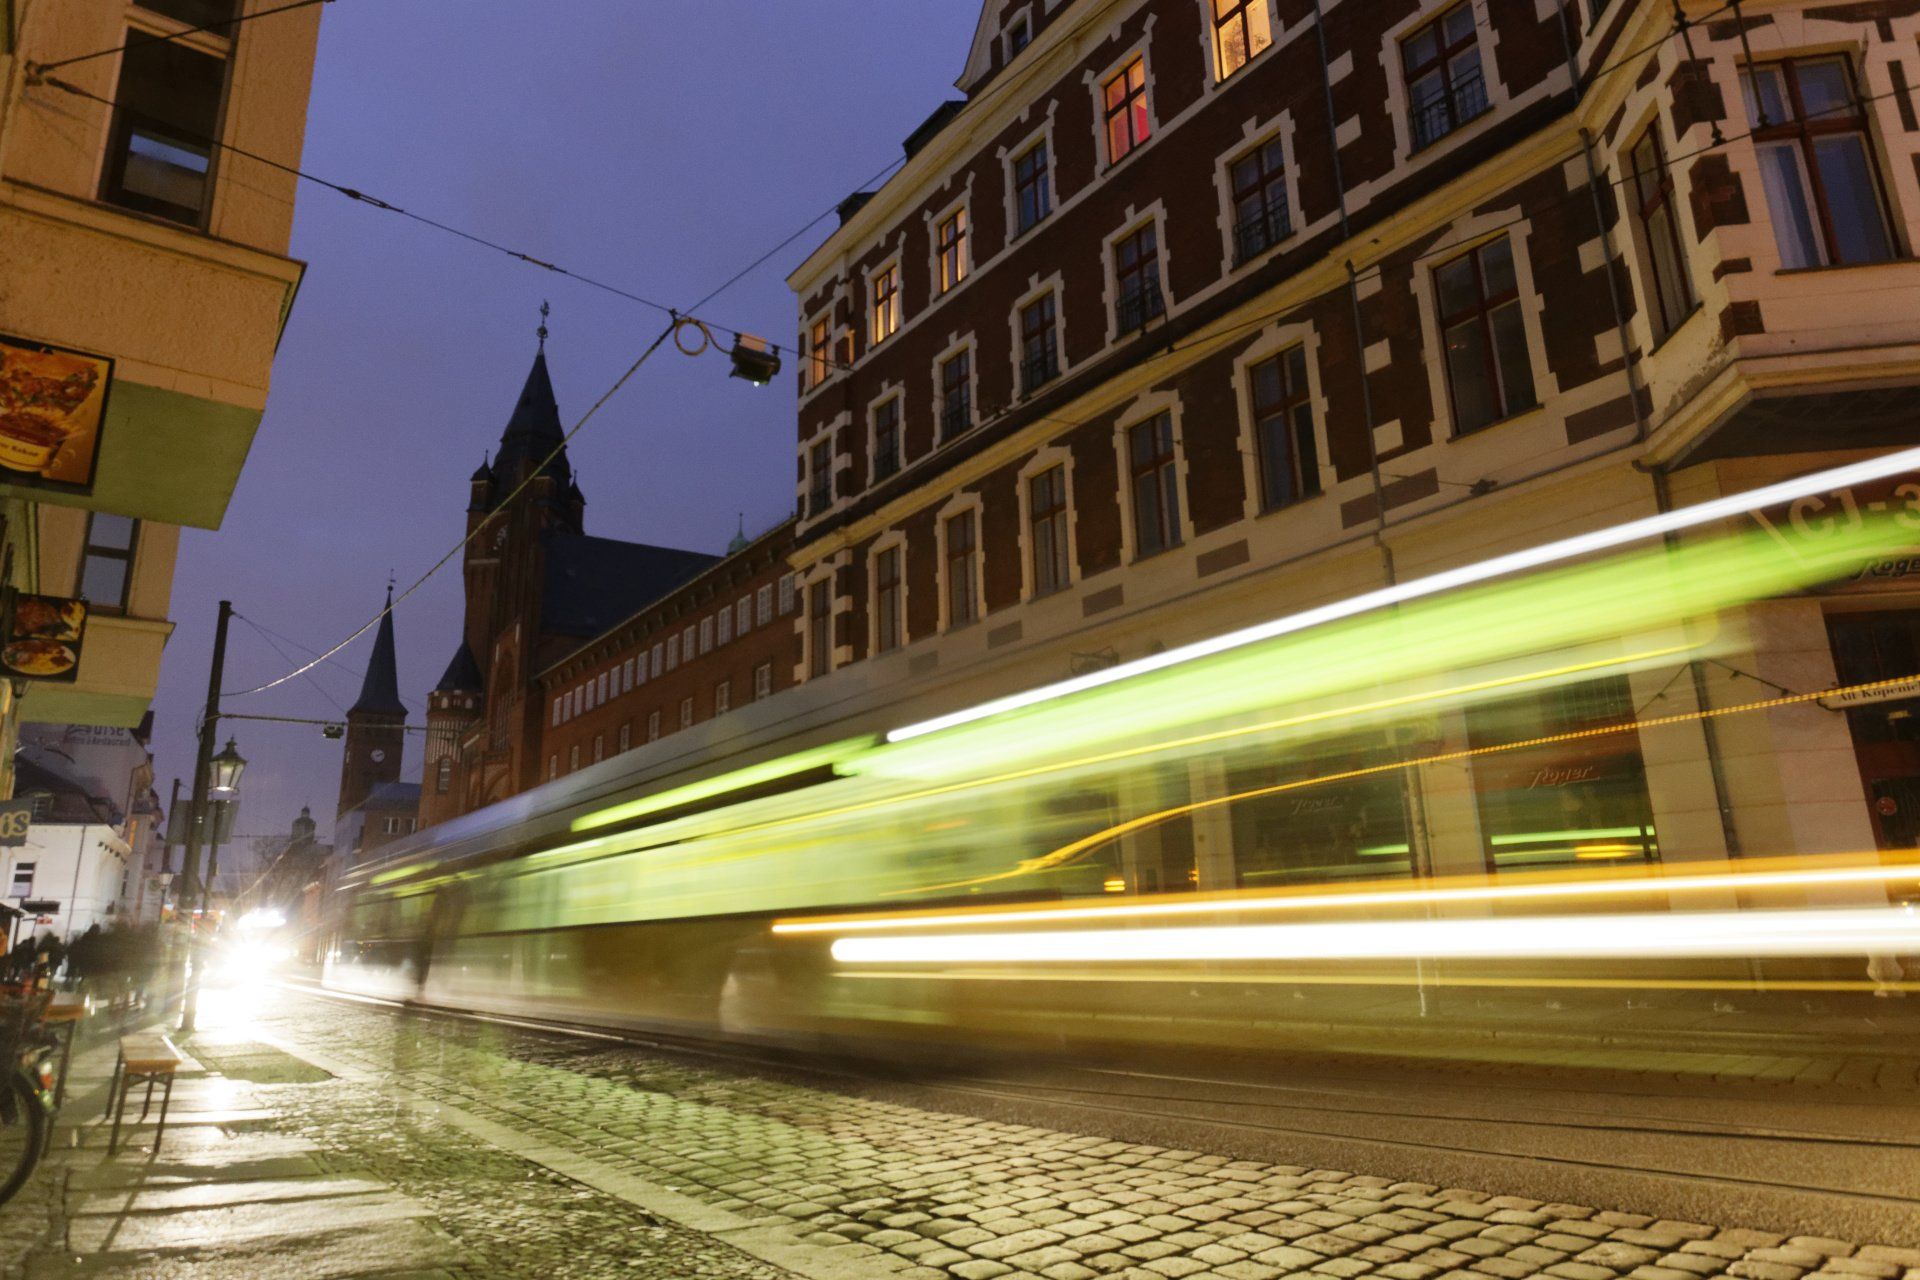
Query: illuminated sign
x=16 y=817
x=52 y=404
x=43 y=638
x=1882 y=691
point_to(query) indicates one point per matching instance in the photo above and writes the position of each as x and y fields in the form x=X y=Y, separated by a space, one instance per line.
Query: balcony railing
x=1138 y=308
x=1261 y=232
x=1040 y=368
x=956 y=416
x=1466 y=99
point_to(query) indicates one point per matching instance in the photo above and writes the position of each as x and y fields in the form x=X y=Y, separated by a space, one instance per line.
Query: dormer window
x=1019 y=36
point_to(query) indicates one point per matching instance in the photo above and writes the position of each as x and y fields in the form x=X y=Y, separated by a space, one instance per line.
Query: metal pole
x=191 y=891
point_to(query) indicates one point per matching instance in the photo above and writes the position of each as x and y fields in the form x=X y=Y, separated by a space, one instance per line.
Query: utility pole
x=166 y=846
x=191 y=890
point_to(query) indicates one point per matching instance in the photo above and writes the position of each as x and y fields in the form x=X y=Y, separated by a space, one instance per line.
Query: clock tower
x=375 y=723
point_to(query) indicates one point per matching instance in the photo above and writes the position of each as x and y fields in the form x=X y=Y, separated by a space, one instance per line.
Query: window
x=601 y=695
x=659 y=660
x=1821 y=179
x=673 y=652
x=723 y=697
x=1261 y=218
x=1489 y=375
x=1039 y=349
x=1445 y=88
x=763 y=680
x=553 y=767
x=1136 y=277
x=1032 y=189
x=886 y=600
x=956 y=394
x=573 y=758
x=706 y=634
x=22 y=886
x=819 y=351
x=586 y=695
x=820 y=474
x=1240 y=32
x=653 y=726
x=884 y=310
x=554 y=723
x=106 y=565
x=786 y=594
x=160 y=146
x=1283 y=429
x=42 y=804
x=686 y=644
x=1156 y=492
x=443 y=775
x=963 y=578
x=1125 y=97
x=763 y=602
x=886 y=439
x=1019 y=36
x=820 y=628
x=626 y=676
x=1670 y=295
x=950 y=249
x=686 y=712
x=1047 y=529
x=398 y=826
x=599 y=747
x=723 y=626
x=743 y=615
x=626 y=735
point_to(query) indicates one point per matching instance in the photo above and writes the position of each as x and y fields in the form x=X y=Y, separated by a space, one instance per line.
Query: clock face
x=379 y=754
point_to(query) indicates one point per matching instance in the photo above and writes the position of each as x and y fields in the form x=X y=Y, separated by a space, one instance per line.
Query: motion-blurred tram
x=1462 y=799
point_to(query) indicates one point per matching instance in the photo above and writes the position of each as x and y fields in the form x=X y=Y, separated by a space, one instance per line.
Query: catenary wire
x=290 y=659
x=35 y=69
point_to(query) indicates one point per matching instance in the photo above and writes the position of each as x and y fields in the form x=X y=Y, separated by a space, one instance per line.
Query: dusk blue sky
x=658 y=146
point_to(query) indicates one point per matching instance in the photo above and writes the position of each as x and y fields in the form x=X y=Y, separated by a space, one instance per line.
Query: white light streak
x=1685 y=935
x=1514 y=562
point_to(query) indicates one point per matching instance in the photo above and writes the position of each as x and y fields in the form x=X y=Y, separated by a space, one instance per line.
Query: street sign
x=16 y=818
x=1887 y=691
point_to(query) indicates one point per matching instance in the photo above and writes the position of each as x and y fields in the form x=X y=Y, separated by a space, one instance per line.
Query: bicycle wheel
x=23 y=1132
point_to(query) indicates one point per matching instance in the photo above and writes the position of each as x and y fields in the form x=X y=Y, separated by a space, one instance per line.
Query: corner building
x=1195 y=313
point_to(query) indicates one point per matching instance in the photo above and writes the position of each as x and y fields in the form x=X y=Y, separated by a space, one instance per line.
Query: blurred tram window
x=1561 y=803
x=1343 y=828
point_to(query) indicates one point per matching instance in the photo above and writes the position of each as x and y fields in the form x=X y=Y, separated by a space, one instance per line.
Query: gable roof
x=591 y=583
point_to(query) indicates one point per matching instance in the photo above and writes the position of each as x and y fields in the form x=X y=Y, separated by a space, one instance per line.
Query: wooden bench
x=149 y=1057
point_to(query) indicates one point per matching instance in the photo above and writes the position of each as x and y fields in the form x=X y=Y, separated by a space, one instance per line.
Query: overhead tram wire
x=289 y=658
x=36 y=69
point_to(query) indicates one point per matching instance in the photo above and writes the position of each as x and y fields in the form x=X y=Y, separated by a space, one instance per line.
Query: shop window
x=1324 y=816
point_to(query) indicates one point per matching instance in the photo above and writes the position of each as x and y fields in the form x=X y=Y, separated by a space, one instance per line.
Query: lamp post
x=227 y=768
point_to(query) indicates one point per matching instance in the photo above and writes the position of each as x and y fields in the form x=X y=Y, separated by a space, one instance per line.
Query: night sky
x=657 y=146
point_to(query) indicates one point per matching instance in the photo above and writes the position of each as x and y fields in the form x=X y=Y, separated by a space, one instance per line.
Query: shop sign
x=1803 y=525
x=43 y=638
x=1887 y=691
x=53 y=403
x=40 y=906
x=16 y=817
x=1555 y=767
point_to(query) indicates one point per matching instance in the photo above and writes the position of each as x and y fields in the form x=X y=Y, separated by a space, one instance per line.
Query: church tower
x=375 y=723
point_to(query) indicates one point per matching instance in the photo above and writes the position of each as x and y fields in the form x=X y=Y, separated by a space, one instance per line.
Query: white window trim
x=892 y=540
x=1465 y=235
x=1156 y=215
x=888 y=391
x=804 y=588
x=1254 y=135
x=1640 y=327
x=1096 y=87
x=1057 y=455
x=970 y=345
x=828 y=433
x=1008 y=156
x=833 y=366
x=1144 y=407
x=1276 y=339
x=962 y=205
x=1396 y=77
x=956 y=505
x=1036 y=287
x=1007 y=52
x=890 y=263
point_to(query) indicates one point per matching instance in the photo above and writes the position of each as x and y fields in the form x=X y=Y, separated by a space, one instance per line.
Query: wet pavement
x=315 y=1138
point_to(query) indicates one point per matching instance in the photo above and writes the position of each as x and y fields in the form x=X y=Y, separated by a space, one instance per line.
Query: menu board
x=43 y=638
x=52 y=404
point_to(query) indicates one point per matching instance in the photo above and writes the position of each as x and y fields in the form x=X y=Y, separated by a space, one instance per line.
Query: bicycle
x=26 y=1087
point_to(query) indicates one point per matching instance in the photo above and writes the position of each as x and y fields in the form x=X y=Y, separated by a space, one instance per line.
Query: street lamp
x=227 y=768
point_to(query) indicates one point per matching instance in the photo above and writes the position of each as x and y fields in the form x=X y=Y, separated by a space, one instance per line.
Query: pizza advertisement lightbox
x=43 y=639
x=52 y=404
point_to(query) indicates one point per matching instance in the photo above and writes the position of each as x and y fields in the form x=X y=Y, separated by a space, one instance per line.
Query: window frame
x=1445 y=52
x=1801 y=133
x=819 y=608
x=820 y=457
x=952 y=255
x=109 y=185
x=1135 y=107
x=1483 y=312
x=889 y=597
x=1218 y=22
x=966 y=587
x=820 y=362
x=1665 y=314
x=1294 y=400
x=1039 y=183
x=763 y=687
x=1243 y=250
x=1023 y=337
x=893 y=401
x=89 y=550
x=1058 y=519
x=1139 y=288
x=1164 y=467
x=885 y=307
x=950 y=425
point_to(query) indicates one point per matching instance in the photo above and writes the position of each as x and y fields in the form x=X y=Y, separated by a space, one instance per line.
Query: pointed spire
x=543 y=324
x=380 y=691
x=533 y=432
x=486 y=470
x=739 y=542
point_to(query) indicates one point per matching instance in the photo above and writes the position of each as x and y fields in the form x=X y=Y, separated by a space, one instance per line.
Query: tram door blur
x=1886 y=735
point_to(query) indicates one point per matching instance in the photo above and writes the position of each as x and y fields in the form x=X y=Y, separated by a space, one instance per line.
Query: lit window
x=1047 y=529
x=1125 y=96
x=1445 y=87
x=819 y=351
x=106 y=564
x=723 y=697
x=1668 y=289
x=1817 y=163
x=1032 y=189
x=886 y=438
x=950 y=249
x=1039 y=347
x=884 y=309
x=956 y=394
x=160 y=146
x=1240 y=32
x=820 y=628
x=1283 y=429
x=686 y=713
x=886 y=600
x=1489 y=374
x=1261 y=218
x=1156 y=485
x=763 y=680
x=1136 y=277
x=963 y=573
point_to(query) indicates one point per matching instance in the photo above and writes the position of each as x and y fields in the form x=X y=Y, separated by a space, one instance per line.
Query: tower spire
x=544 y=309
